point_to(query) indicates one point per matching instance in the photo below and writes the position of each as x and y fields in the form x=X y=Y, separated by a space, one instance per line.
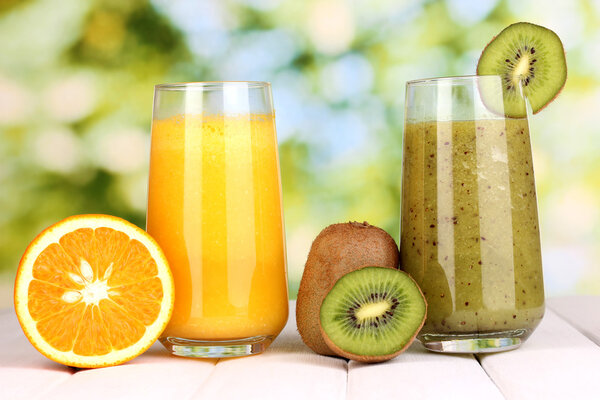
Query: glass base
x=216 y=348
x=489 y=342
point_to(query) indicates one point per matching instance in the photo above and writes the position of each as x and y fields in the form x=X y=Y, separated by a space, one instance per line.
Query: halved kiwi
x=529 y=58
x=372 y=314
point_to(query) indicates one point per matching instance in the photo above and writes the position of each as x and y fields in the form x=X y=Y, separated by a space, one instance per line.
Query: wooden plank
x=581 y=312
x=287 y=370
x=420 y=374
x=557 y=362
x=153 y=375
x=24 y=372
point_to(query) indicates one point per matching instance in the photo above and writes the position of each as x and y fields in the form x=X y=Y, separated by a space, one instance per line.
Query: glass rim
x=457 y=78
x=212 y=85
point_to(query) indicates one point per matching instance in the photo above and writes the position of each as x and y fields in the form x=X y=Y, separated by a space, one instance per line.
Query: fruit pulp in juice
x=470 y=234
x=214 y=206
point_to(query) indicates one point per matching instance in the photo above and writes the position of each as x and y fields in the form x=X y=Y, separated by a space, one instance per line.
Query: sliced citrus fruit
x=93 y=291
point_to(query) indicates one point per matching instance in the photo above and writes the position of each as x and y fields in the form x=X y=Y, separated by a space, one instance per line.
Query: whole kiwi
x=336 y=251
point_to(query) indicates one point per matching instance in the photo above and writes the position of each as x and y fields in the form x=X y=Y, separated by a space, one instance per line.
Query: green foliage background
x=76 y=86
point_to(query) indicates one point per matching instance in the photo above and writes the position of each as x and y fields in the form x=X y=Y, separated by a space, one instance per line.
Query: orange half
x=93 y=291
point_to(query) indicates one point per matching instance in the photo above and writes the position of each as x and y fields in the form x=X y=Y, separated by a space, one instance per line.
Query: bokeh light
x=76 y=85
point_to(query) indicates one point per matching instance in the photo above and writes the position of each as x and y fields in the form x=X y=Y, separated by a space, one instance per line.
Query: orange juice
x=214 y=206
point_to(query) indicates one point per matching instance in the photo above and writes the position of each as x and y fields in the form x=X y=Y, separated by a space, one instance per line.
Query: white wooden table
x=561 y=360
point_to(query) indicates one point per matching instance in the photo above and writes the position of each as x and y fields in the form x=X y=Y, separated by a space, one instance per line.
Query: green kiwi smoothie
x=469 y=227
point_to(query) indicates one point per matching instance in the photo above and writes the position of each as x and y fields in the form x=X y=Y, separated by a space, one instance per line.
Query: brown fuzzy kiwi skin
x=566 y=69
x=336 y=251
x=375 y=359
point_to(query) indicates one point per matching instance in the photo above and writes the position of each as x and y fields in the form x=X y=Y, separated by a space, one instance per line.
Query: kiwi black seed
x=530 y=60
x=372 y=314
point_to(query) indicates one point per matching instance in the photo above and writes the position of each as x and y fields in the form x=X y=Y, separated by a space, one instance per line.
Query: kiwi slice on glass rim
x=531 y=62
x=372 y=314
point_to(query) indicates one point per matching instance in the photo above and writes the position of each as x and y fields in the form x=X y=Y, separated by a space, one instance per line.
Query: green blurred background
x=76 y=86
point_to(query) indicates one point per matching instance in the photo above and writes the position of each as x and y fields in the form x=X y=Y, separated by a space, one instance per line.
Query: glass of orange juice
x=214 y=206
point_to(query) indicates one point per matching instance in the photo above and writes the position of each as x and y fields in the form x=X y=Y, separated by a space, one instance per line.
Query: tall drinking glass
x=469 y=221
x=214 y=206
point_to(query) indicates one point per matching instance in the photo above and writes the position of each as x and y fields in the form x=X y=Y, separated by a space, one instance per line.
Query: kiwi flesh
x=372 y=314
x=337 y=250
x=530 y=60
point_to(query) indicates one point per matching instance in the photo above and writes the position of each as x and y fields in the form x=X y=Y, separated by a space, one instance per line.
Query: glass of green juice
x=469 y=229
